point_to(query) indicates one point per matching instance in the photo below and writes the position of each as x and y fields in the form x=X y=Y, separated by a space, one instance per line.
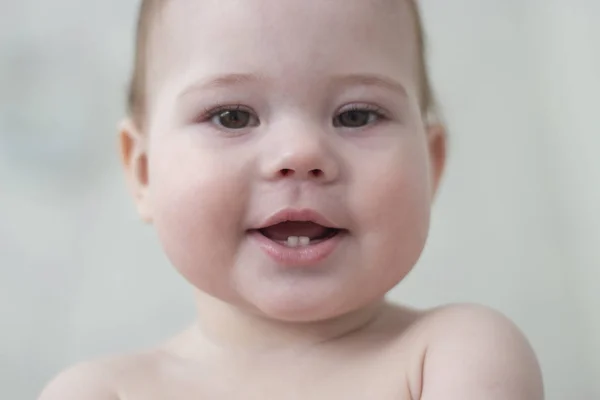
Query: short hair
x=138 y=93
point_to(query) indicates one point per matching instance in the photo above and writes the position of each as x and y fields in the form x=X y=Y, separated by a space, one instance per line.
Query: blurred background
x=516 y=225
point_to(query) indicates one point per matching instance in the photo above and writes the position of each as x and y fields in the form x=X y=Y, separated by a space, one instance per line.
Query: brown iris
x=354 y=118
x=234 y=119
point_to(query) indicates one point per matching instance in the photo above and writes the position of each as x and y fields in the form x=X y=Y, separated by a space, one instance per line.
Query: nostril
x=317 y=173
x=313 y=173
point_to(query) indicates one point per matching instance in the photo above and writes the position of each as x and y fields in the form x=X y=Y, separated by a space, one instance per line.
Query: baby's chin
x=302 y=311
x=317 y=299
x=294 y=306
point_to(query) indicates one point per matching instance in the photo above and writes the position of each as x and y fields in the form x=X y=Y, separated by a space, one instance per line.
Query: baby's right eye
x=233 y=118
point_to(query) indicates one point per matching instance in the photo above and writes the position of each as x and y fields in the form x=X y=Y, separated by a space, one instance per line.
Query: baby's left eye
x=356 y=118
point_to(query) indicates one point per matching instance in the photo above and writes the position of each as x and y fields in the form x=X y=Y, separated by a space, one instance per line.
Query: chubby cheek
x=197 y=209
x=394 y=214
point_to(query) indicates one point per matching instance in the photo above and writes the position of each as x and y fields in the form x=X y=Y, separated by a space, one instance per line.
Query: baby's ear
x=134 y=158
x=437 y=142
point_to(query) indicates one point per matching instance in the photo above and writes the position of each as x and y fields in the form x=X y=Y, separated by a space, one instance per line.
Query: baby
x=284 y=151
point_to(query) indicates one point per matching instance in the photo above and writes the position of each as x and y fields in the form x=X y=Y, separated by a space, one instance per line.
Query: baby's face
x=309 y=108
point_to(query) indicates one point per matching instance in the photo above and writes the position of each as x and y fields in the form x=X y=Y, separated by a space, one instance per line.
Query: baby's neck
x=228 y=328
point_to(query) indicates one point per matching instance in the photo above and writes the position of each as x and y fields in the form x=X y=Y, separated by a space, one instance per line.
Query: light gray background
x=516 y=226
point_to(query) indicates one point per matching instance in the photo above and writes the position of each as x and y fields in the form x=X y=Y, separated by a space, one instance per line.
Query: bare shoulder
x=93 y=380
x=474 y=352
x=89 y=380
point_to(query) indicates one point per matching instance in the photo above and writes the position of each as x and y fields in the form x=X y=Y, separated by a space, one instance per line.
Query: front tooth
x=304 y=241
x=293 y=241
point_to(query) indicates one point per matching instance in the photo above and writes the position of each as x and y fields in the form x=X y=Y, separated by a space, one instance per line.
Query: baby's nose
x=303 y=156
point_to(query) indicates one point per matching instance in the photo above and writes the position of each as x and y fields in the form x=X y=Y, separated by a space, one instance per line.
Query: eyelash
x=377 y=111
x=210 y=113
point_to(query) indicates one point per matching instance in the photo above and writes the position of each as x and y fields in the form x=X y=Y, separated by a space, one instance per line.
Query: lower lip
x=301 y=256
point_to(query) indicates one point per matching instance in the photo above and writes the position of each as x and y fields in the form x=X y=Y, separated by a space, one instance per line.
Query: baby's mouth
x=298 y=233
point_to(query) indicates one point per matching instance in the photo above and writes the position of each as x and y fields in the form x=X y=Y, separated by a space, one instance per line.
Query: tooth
x=292 y=241
x=304 y=241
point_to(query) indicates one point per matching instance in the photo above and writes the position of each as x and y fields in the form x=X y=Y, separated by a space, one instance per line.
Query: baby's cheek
x=197 y=215
x=398 y=188
x=397 y=213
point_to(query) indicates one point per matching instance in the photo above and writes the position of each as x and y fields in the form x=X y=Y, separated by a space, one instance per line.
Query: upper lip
x=298 y=215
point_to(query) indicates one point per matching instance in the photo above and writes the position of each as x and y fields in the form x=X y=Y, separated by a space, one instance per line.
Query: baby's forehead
x=286 y=37
x=216 y=27
x=383 y=5
x=215 y=14
x=172 y=32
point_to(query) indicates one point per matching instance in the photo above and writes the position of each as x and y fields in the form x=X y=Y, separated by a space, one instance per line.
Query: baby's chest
x=321 y=379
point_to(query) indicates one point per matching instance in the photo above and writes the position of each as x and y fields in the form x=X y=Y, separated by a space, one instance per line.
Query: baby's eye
x=357 y=118
x=233 y=118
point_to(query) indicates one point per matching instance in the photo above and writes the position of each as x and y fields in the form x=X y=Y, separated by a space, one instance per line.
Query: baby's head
x=248 y=114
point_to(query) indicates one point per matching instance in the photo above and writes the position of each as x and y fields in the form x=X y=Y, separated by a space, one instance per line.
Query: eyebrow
x=375 y=80
x=221 y=81
x=240 y=79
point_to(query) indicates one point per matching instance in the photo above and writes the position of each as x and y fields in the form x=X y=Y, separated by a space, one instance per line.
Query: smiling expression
x=285 y=162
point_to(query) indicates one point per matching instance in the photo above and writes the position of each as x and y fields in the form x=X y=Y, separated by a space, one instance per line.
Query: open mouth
x=299 y=233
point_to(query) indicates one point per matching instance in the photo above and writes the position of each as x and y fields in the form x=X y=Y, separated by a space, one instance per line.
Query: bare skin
x=347 y=367
x=455 y=352
x=325 y=96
